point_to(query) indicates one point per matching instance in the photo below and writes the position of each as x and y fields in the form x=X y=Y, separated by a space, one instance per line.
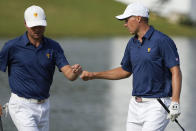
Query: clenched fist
x=76 y=69
x=87 y=75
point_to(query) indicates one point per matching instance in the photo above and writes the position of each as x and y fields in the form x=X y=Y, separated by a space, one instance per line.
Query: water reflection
x=102 y=105
x=82 y=105
x=187 y=54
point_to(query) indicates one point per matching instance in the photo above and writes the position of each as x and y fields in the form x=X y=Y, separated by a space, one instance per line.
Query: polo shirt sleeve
x=126 y=63
x=60 y=58
x=4 y=57
x=169 y=52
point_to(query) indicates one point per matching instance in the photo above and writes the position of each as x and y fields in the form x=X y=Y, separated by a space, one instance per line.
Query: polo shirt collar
x=147 y=35
x=26 y=39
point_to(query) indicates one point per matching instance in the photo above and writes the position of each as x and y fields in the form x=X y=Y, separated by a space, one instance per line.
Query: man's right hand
x=87 y=75
x=77 y=69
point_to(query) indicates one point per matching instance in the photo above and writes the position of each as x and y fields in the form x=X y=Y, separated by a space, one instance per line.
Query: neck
x=142 y=31
x=34 y=41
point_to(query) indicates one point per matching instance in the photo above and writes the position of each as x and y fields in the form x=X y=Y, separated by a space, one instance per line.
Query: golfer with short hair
x=31 y=60
x=152 y=58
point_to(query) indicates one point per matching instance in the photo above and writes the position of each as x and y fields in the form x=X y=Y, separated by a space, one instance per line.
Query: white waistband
x=15 y=96
x=148 y=99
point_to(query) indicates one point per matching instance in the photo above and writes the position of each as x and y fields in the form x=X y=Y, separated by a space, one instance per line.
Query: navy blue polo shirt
x=150 y=63
x=31 y=69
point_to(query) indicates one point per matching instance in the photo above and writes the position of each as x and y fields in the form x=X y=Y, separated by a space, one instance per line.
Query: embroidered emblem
x=48 y=55
x=35 y=14
x=149 y=50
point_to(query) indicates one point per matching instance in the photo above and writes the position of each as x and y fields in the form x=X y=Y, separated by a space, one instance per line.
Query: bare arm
x=71 y=72
x=176 y=83
x=114 y=74
x=0 y=110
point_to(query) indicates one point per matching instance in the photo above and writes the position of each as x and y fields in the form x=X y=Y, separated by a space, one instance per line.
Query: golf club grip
x=1 y=126
x=165 y=107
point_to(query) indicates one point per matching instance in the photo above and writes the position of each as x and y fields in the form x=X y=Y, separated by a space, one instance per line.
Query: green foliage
x=185 y=20
x=77 y=18
x=163 y=25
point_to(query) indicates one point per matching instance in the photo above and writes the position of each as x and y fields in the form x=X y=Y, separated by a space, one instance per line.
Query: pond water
x=101 y=105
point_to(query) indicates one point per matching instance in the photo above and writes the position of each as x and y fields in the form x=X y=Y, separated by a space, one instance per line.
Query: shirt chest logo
x=48 y=55
x=149 y=49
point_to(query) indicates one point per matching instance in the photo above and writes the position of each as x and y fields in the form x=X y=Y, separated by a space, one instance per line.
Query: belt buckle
x=40 y=101
x=138 y=99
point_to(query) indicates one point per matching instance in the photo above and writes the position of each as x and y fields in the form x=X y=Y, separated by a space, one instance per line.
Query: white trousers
x=29 y=116
x=147 y=115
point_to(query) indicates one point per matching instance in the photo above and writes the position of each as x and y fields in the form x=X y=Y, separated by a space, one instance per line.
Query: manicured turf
x=77 y=18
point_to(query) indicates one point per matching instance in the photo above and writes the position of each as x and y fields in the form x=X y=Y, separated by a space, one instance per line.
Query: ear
x=25 y=24
x=139 y=18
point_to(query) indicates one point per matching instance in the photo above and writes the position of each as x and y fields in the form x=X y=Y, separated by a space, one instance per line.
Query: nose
x=125 y=25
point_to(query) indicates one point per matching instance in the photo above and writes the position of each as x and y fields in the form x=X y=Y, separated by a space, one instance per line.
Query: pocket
x=167 y=101
x=13 y=106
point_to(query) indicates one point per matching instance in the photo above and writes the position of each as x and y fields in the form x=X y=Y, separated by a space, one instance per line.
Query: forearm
x=68 y=73
x=114 y=74
x=176 y=84
x=0 y=110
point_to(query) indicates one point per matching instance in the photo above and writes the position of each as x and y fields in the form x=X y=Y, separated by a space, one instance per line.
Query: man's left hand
x=174 y=109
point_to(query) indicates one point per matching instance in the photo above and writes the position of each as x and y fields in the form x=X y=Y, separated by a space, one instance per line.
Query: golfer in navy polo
x=31 y=60
x=152 y=58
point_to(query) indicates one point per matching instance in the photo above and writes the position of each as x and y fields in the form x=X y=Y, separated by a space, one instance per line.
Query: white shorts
x=28 y=115
x=148 y=115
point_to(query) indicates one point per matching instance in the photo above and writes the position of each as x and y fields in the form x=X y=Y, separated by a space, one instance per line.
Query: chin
x=37 y=36
x=131 y=33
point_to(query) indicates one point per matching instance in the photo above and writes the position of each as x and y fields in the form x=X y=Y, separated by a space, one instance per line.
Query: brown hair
x=145 y=19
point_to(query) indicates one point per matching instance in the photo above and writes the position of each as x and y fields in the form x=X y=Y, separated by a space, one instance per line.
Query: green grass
x=172 y=29
x=77 y=18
